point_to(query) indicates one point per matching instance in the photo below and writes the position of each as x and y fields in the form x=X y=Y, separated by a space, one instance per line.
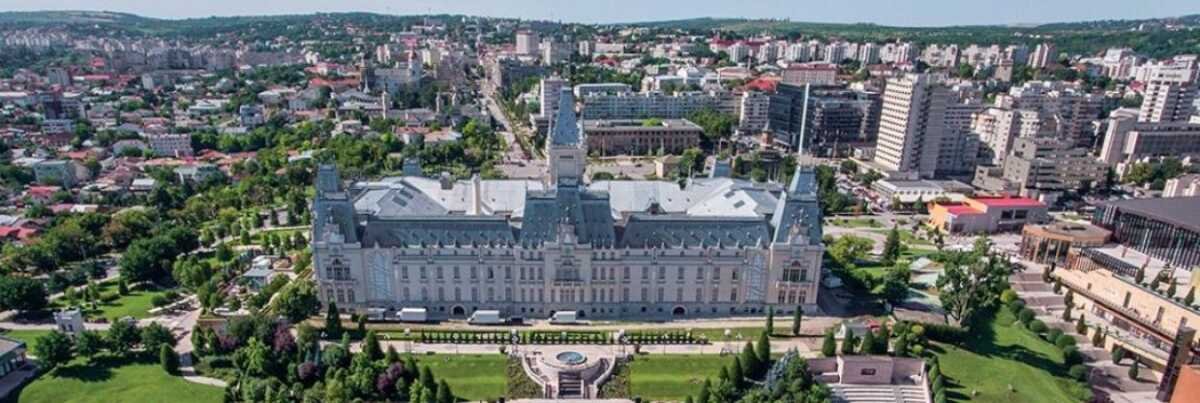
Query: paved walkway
x=805 y=345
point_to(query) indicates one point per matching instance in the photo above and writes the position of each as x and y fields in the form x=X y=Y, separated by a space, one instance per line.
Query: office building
x=641 y=137
x=1166 y=229
x=620 y=249
x=653 y=104
x=986 y=214
x=1044 y=168
x=1127 y=140
x=831 y=117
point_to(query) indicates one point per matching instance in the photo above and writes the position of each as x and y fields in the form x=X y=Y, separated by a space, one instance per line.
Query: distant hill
x=1087 y=37
x=772 y=25
x=70 y=17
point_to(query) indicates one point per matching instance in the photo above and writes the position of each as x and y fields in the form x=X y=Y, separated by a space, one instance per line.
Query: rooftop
x=1007 y=201
x=1182 y=211
x=962 y=209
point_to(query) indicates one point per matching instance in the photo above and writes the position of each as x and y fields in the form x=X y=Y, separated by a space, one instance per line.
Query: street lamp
x=407 y=340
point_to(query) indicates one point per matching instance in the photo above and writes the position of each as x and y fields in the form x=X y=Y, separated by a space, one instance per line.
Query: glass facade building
x=1167 y=229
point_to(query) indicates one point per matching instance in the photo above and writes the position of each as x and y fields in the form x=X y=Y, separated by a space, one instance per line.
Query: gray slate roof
x=565 y=130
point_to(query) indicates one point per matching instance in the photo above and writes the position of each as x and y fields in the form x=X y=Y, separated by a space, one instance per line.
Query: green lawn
x=1000 y=355
x=471 y=377
x=136 y=303
x=672 y=376
x=906 y=236
x=28 y=336
x=110 y=381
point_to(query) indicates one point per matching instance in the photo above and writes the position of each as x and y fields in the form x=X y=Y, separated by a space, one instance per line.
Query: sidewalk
x=803 y=345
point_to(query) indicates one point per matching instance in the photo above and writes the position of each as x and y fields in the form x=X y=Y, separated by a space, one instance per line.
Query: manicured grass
x=999 y=356
x=115 y=380
x=28 y=336
x=906 y=236
x=136 y=304
x=672 y=376
x=471 y=377
x=113 y=306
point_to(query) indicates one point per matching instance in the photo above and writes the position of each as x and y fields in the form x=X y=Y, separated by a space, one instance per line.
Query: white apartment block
x=1170 y=93
x=924 y=127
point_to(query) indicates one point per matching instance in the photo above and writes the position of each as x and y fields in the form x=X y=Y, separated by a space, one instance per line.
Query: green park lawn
x=906 y=236
x=1001 y=355
x=113 y=306
x=28 y=336
x=114 y=380
x=471 y=377
x=672 y=376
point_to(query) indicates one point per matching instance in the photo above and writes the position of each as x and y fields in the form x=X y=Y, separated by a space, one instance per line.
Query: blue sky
x=889 y=12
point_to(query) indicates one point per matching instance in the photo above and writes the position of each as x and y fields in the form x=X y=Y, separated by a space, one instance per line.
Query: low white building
x=910 y=191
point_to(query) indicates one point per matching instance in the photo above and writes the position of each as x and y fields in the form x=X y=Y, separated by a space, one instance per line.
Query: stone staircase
x=570 y=386
x=878 y=393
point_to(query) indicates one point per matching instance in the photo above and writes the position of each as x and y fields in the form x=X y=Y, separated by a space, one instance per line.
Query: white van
x=485 y=318
x=413 y=315
x=564 y=318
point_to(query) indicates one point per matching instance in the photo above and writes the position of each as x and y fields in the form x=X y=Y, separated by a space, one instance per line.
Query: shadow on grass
x=99 y=369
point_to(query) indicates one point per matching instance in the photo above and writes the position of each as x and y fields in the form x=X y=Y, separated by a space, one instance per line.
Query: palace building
x=714 y=246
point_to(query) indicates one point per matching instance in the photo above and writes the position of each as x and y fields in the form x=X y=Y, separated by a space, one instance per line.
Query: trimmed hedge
x=944 y=333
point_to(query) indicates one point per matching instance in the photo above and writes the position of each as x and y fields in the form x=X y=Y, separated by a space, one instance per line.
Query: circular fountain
x=572 y=358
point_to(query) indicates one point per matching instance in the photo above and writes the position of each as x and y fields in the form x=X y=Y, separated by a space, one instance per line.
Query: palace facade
x=714 y=246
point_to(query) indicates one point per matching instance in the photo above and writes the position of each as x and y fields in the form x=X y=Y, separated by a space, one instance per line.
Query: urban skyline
x=908 y=13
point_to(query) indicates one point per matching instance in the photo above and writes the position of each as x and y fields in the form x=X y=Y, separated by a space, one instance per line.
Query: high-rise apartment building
x=549 y=89
x=1043 y=55
x=527 y=43
x=924 y=127
x=997 y=128
x=1170 y=93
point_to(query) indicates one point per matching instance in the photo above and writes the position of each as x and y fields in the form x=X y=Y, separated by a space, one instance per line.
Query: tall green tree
x=333 y=322
x=22 y=294
x=892 y=247
x=829 y=345
x=770 y=330
x=763 y=351
x=970 y=283
x=53 y=349
x=370 y=346
x=796 y=320
x=297 y=301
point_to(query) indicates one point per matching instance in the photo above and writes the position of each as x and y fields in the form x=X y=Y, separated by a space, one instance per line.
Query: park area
x=111 y=379
x=672 y=377
x=1004 y=363
x=111 y=305
x=471 y=377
